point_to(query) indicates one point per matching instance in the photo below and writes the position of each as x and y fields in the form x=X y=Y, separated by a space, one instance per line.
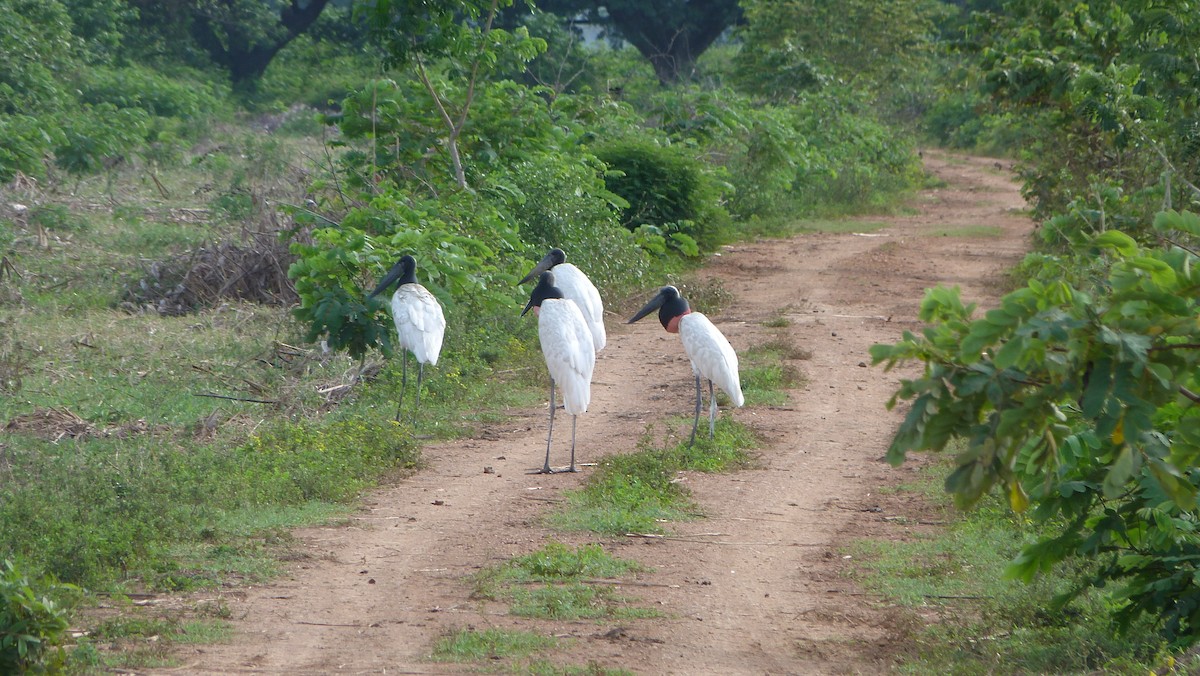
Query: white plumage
x=567 y=346
x=712 y=357
x=578 y=288
x=575 y=286
x=420 y=324
x=570 y=354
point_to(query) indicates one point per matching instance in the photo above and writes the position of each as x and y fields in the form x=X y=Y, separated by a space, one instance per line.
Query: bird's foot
x=544 y=470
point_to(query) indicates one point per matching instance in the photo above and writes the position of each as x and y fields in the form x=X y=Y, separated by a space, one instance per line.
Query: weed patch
x=556 y=582
x=637 y=492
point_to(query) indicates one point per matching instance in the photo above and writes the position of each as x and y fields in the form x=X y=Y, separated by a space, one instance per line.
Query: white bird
x=711 y=354
x=568 y=349
x=577 y=287
x=420 y=324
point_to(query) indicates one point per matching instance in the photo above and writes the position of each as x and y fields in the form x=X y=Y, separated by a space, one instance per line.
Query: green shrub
x=565 y=204
x=31 y=624
x=668 y=190
x=148 y=90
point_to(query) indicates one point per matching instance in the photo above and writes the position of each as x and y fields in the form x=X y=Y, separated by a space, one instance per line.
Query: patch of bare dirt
x=759 y=586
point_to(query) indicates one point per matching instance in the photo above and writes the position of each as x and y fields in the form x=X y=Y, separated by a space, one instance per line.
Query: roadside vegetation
x=189 y=365
x=190 y=368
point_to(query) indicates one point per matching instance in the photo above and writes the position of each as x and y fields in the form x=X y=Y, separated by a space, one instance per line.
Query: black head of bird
x=670 y=305
x=555 y=257
x=544 y=290
x=404 y=272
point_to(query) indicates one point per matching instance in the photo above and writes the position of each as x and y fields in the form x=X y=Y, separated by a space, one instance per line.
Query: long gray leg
x=420 y=377
x=403 y=382
x=696 y=421
x=712 y=411
x=574 y=419
x=550 y=433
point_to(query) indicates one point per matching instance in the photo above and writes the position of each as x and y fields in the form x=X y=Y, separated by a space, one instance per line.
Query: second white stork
x=712 y=357
x=577 y=287
x=420 y=324
x=568 y=349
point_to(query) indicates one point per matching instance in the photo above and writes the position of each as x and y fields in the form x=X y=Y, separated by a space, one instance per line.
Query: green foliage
x=636 y=492
x=467 y=645
x=31 y=623
x=459 y=243
x=565 y=593
x=1079 y=395
x=959 y=573
x=1110 y=88
x=104 y=515
x=139 y=87
x=790 y=47
x=668 y=191
x=332 y=462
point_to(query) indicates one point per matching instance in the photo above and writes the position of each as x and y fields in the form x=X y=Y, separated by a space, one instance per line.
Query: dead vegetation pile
x=254 y=271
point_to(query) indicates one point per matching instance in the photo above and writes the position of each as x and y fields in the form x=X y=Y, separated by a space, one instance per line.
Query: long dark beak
x=655 y=303
x=541 y=267
x=388 y=280
x=527 y=306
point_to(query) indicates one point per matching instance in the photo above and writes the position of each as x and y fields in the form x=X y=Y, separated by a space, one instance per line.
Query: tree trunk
x=222 y=33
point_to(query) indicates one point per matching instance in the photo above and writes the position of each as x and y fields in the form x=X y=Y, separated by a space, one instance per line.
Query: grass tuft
x=637 y=492
x=467 y=645
x=554 y=583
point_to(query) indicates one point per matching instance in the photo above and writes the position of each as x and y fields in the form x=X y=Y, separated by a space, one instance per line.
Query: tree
x=671 y=34
x=459 y=33
x=241 y=36
x=793 y=45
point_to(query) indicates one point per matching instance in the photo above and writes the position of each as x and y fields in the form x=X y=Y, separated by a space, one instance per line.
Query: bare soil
x=759 y=586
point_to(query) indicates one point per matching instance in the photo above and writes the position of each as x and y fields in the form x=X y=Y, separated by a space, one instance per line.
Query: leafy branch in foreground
x=1077 y=395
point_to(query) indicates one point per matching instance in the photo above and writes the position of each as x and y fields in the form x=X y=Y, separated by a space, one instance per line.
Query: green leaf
x=1119 y=473
x=1117 y=241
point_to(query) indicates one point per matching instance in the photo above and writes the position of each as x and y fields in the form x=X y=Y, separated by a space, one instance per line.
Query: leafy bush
x=98 y=135
x=565 y=204
x=463 y=248
x=31 y=624
x=855 y=158
x=139 y=87
x=1078 y=395
x=668 y=190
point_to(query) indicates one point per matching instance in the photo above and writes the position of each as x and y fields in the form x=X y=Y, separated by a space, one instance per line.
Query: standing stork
x=569 y=352
x=577 y=287
x=711 y=354
x=420 y=324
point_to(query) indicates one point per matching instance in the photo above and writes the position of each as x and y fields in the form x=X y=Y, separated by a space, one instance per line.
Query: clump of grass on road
x=557 y=582
x=637 y=492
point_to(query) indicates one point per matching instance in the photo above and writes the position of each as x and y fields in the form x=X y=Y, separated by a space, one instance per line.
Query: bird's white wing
x=576 y=286
x=420 y=323
x=712 y=356
x=569 y=352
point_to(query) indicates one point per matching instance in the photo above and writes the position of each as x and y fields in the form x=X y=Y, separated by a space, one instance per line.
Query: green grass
x=134 y=642
x=990 y=623
x=510 y=651
x=557 y=582
x=466 y=645
x=637 y=492
x=767 y=373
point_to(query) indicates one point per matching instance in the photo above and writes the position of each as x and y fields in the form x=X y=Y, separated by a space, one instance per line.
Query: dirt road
x=766 y=594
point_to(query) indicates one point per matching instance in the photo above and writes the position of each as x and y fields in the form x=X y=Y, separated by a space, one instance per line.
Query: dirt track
x=755 y=588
